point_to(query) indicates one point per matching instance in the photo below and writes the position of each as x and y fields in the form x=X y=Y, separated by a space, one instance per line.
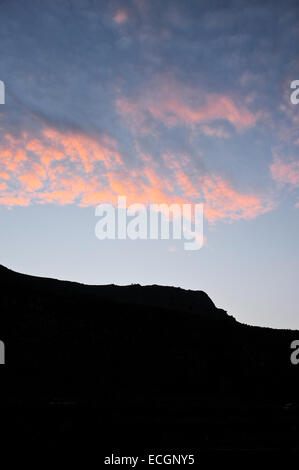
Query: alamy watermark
x=2 y=92
x=295 y=94
x=152 y=222
x=2 y=353
x=295 y=354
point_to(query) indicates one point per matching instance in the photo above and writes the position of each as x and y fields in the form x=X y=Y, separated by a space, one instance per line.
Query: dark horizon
x=136 y=367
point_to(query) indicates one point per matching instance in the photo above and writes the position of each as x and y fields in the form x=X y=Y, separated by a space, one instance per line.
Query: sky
x=184 y=102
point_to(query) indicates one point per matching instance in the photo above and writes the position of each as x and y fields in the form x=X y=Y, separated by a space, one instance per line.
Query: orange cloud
x=73 y=168
x=224 y=202
x=10 y=201
x=30 y=182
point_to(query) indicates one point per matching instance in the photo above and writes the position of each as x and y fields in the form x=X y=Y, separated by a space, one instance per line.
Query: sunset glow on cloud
x=120 y=16
x=174 y=104
x=73 y=168
x=286 y=172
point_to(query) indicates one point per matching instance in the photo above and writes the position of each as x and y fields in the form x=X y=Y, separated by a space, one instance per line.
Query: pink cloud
x=285 y=172
x=120 y=17
x=72 y=168
x=224 y=202
x=173 y=104
x=30 y=182
x=216 y=131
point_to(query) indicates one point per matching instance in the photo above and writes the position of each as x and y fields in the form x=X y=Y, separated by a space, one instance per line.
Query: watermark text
x=153 y=222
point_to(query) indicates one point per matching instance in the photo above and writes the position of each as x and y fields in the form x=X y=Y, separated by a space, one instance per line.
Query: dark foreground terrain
x=132 y=370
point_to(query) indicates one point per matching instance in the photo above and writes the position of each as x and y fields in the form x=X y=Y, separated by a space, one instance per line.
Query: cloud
x=71 y=168
x=175 y=104
x=125 y=110
x=216 y=131
x=285 y=172
x=53 y=167
x=120 y=17
x=224 y=202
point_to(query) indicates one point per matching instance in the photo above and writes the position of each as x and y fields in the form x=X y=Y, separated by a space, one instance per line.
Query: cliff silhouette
x=157 y=366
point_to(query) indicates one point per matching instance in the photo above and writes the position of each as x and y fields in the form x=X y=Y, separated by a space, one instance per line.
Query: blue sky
x=164 y=102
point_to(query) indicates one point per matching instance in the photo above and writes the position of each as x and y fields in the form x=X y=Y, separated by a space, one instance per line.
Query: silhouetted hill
x=161 y=366
x=197 y=302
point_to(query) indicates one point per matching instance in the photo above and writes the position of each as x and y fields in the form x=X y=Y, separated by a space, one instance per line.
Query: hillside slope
x=156 y=362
